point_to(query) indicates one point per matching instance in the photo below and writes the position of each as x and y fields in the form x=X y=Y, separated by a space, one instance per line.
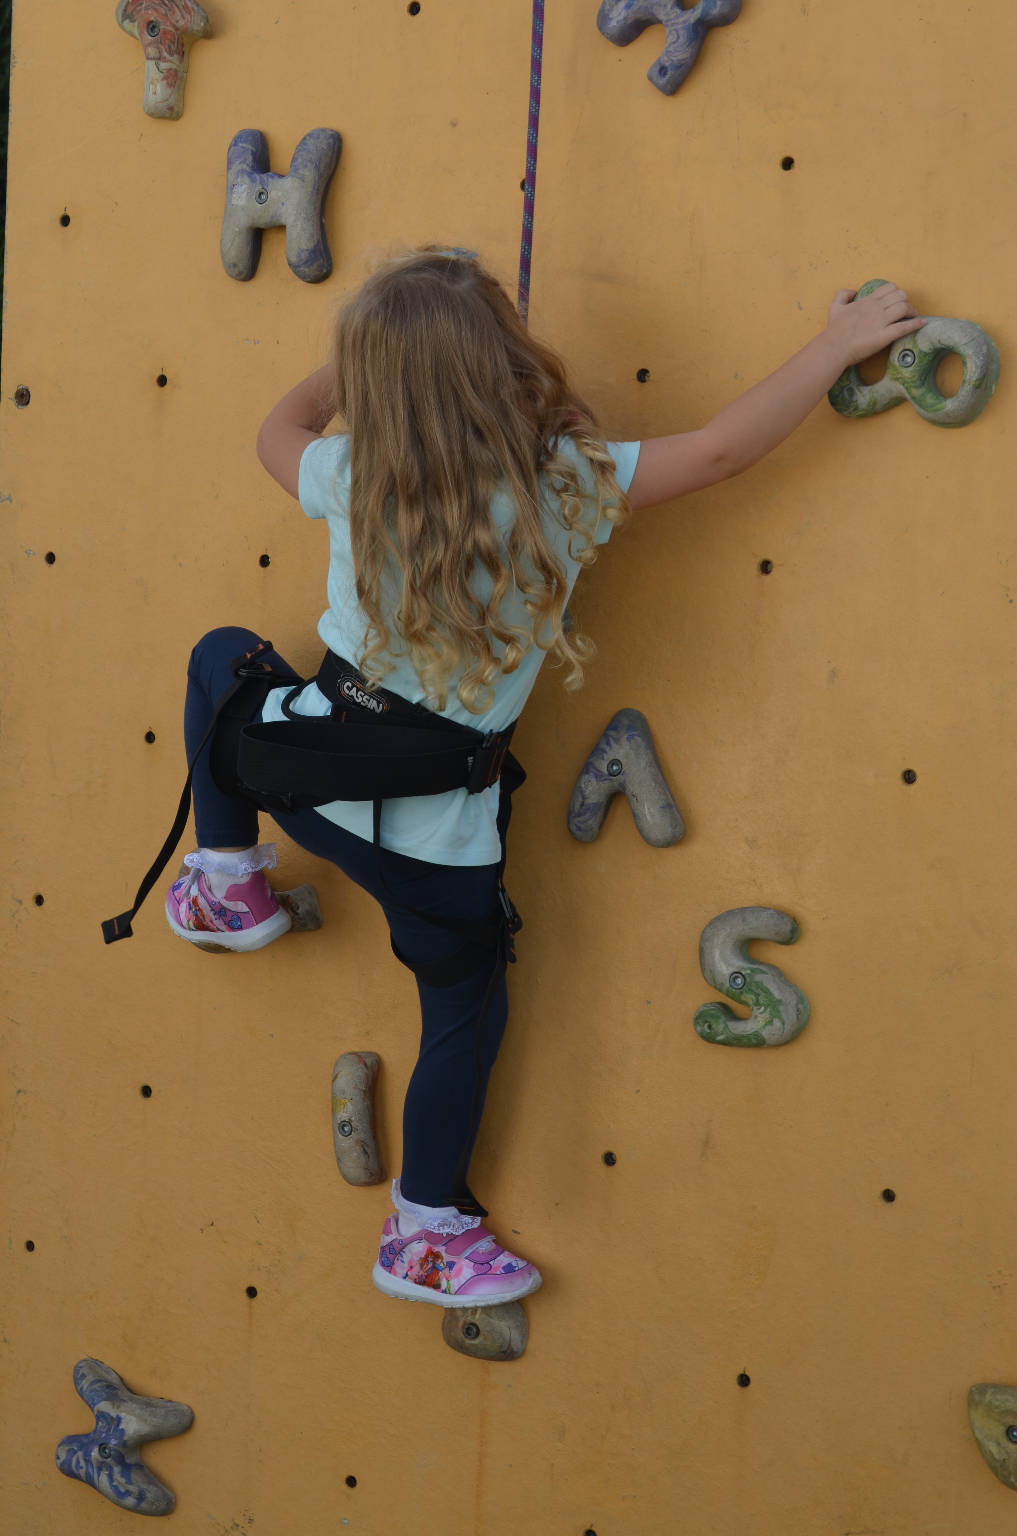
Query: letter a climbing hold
x=107 y=1458
x=257 y=199
x=992 y=1410
x=624 y=762
x=779 y=1010
x=165 y=29
x=622 y=21
x=911 y=373
x=356 y=1149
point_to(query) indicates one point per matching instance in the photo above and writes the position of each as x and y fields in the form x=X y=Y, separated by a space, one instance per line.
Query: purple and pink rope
x=530 y=184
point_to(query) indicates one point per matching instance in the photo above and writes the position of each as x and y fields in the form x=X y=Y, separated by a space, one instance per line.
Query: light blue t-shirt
x=454 y=828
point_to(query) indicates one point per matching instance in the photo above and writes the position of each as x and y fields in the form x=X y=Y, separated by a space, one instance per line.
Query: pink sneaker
x=247 y=917
x=470 y=1270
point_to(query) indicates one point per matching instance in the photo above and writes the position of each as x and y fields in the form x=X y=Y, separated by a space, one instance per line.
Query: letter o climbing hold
x=624 y=762
x=779 y=1010
x=622 y=21
x=911 y=373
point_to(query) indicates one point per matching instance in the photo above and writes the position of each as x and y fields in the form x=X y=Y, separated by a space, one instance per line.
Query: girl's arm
x=297 y=420
x=765 y=415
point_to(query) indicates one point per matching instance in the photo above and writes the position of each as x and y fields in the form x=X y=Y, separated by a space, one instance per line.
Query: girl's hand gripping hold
x=747 y=429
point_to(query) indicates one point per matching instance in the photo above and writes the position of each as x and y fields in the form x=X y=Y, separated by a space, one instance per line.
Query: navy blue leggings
x=458 y=1047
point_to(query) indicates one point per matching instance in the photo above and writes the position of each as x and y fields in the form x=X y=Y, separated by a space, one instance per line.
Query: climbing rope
x=530 y=184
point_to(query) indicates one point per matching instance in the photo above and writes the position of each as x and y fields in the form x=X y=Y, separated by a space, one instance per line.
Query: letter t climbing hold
x=257 y=199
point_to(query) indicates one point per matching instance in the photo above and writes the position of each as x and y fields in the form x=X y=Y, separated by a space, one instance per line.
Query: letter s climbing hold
x=257 y=199
x=779 y=1010
x=622 y=21
x=992 y=1410
x=911 y=373
x=107 y=1458
x=624 y=762
x=165 y=29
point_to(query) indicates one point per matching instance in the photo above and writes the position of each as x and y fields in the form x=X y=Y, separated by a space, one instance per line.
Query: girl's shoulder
x=324 y=481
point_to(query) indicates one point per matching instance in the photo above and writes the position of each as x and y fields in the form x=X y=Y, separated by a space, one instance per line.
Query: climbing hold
x=487 y=1333
x=257 y=199
x=779 y=1010
x=992 y=1410
x=356 y=1149
x=622 y=21
x=624 y=761
x=911 y=373
x=165 y=29
x=107 y=1458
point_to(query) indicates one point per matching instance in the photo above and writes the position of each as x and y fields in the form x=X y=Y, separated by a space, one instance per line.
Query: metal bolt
x=345 y=1128
x=615 y=767
x=736 y=981
x=1011 y=1433
x=153 y=29
x=261 y=196
x=105 y=1451
x=471 y=1331
x=906 y=358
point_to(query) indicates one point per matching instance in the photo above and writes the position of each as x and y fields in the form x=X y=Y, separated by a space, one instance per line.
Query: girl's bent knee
x=229 y=638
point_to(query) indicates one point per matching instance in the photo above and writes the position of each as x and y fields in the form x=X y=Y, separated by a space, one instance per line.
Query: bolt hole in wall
x=65 y=219
x=643 y=375
x=609 y=1159
x=787 y=163
x=765 y=567
x=50 y=557
x=161 y=380
x=150 y=737
x=264 y=560
x=744 y=1379
x=414 y=8
x=909 y=776
x=252 y=1291
x=889 y=1195
x=351 y=1482
x=22 y=395
x=39 y=899
x=29 y=1246
x=146 y=1090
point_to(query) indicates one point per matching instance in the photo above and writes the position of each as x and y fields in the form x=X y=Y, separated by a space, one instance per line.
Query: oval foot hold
x=303 y=906
x=356 y=1148
x=487 y=1333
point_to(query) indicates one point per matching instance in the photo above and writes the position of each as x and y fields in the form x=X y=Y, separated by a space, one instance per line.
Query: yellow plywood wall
x=742 y=1228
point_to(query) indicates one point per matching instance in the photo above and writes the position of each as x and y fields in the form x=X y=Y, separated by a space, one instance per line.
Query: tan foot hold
x=356 y=1149
x=487 y=1333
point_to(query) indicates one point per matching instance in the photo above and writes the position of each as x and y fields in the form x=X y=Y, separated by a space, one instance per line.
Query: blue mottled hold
x=107 y=1458
x=257 y=199
x=622 y=21
x=624 y=762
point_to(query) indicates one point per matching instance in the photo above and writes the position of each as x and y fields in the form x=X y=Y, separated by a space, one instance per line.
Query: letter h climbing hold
x=624 y=762
x=622 y=21
x=257 y=199
x=107 y=1458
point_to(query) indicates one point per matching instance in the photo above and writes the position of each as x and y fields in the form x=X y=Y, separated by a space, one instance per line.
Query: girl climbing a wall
x=468 y=487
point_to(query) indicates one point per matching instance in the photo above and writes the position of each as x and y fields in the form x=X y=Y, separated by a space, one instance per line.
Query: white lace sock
x=225 y=869
x=431 y=1218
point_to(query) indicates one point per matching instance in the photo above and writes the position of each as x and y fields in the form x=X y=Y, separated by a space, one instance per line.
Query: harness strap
x=245 y=669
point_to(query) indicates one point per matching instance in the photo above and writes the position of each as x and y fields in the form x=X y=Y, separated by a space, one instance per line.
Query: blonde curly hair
x=446 y=398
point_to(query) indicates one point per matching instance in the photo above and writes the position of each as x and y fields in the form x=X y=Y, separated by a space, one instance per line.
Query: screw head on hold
x=261 y=196
x=736 y=981
x=345 y=1128
x=615 y=767
x=153 y=29
x=105 y=1451
x=471 y=1331
x=1011 y=1433
x=906 y=358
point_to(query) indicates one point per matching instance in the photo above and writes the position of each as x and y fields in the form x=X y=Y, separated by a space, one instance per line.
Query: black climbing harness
x=375 y=745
